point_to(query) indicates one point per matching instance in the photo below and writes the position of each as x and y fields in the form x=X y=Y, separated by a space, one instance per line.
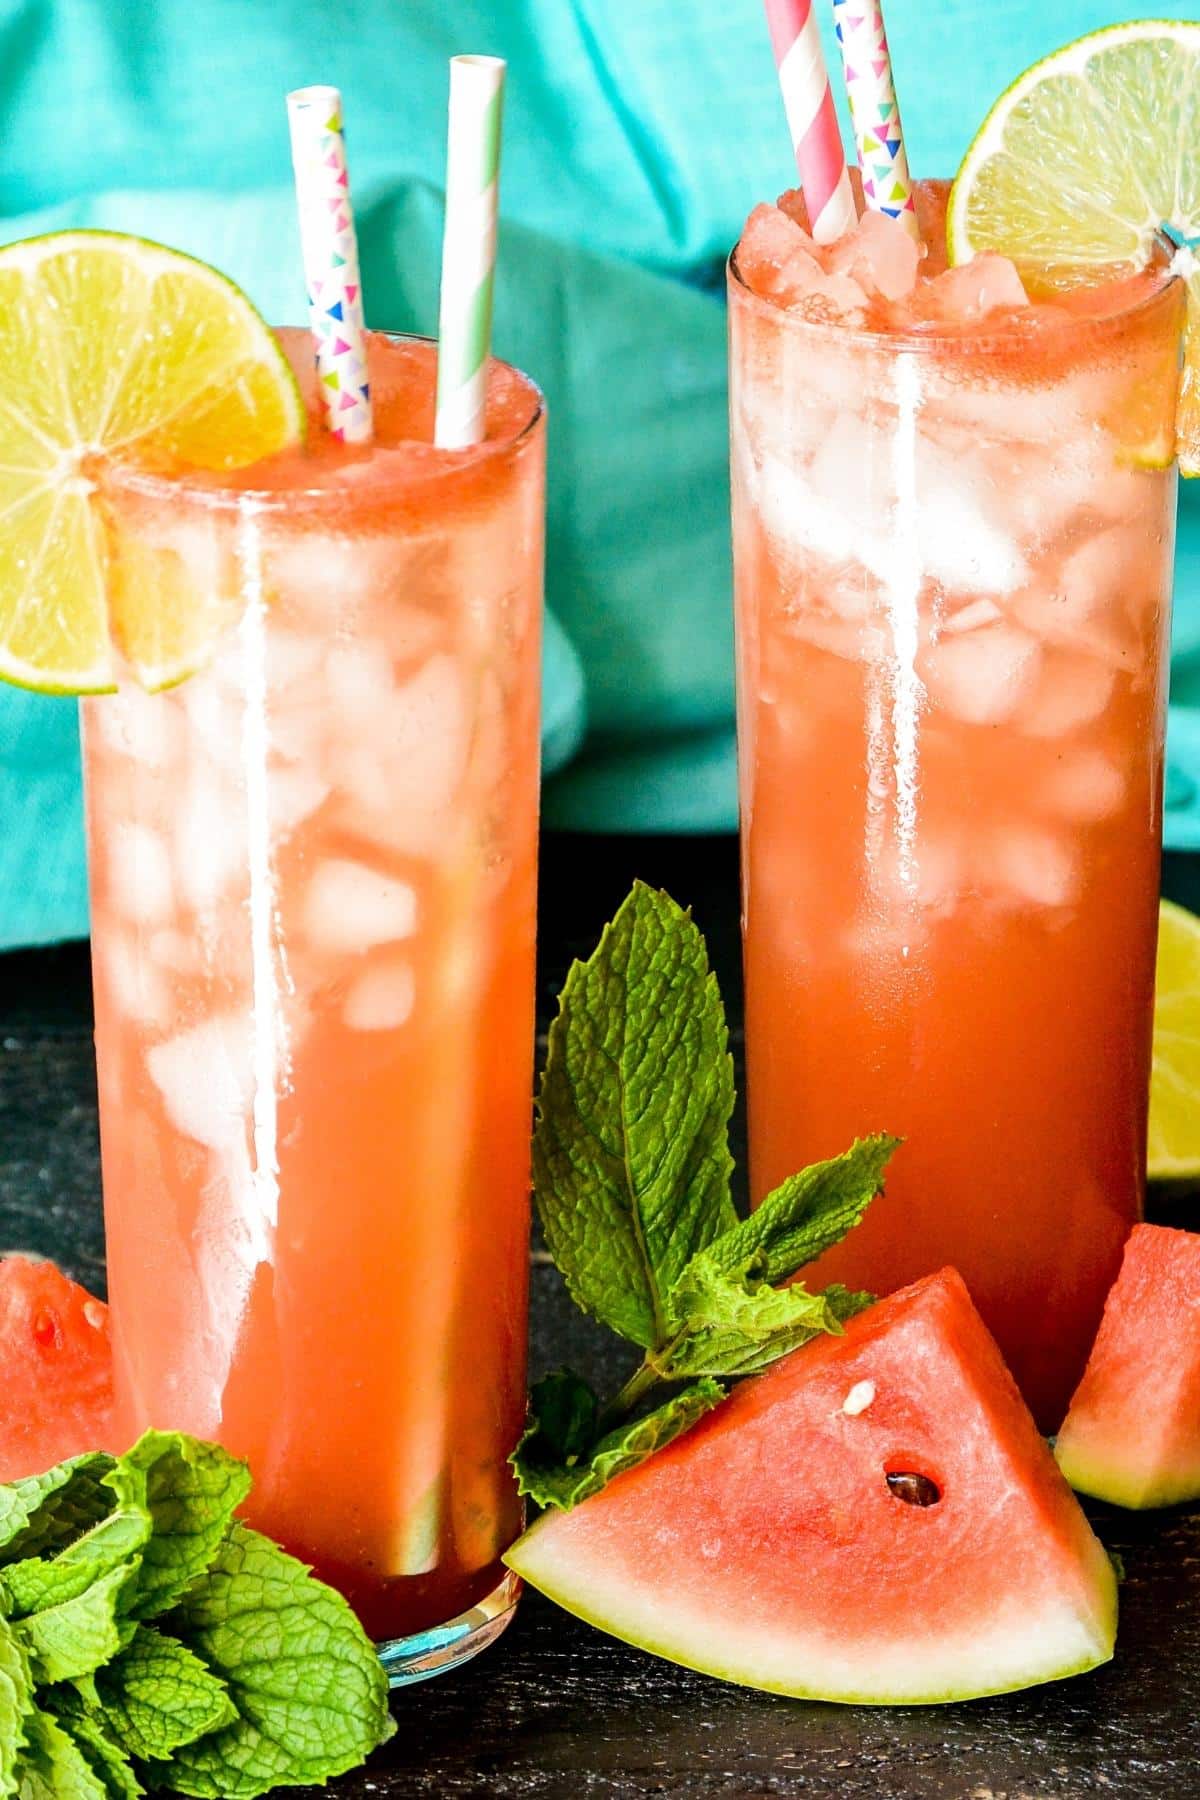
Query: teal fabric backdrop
x=639 y=133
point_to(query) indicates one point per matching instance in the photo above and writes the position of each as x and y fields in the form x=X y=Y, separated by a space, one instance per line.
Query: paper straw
x=468 y=248
x=812 y=121
x=887 y=185
x=330 y=250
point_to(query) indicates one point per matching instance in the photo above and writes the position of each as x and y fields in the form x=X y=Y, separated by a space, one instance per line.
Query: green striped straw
x=468 y=248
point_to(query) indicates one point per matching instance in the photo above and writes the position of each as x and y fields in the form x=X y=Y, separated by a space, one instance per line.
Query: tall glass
x=313 y=898
x=953 y=568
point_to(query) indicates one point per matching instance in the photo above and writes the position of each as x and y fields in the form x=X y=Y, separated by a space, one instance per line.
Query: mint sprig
x=632 y=1173
x=150 y=1641
x=631 y=1152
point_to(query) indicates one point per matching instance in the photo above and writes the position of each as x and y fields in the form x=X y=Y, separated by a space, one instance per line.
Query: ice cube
x=778 y=260
x=205 y=1080
x=1084 y=784
x=413 y=632
x=1084 y=606
x=940 y=872
x=177 y=951
x=981 y=676
x=1069 y=692
x=359 y=678
x=351 y=906
x=139 y=873
x=966 y=294
x=856 y=642
x=878 y=254
x=293 y=656
x=402 y=784
x=144 y=727
x=293 y=795
x=971 y=617
x=211 y=839
x=317 y=580
x=796 y=513
x=1035 y=867
x=135 y=985
x=381 y=999
x=214 y=716
x=855 y=508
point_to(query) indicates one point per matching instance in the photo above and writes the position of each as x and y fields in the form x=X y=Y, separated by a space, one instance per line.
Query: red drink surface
x=953 y=561
x=313 y=892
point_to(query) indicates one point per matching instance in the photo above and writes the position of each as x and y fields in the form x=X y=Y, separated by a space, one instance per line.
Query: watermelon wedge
x=56 y=1392
x=1132 y=1432
x=874 y=1519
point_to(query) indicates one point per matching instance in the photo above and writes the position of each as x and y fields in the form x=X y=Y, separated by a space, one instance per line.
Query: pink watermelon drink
x=313 y=894
x=953 y=521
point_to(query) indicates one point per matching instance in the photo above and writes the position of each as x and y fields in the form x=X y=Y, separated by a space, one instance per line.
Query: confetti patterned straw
x=812 y=121
x=887 y=185
x=468 y=248
x=330 y=251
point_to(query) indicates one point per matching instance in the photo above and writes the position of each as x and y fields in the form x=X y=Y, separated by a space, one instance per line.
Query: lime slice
x=114 y=347
x=1080 y=164
x=1174 y=1149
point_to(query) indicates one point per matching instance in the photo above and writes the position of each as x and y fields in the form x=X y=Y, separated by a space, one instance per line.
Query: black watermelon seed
x=914 y=1489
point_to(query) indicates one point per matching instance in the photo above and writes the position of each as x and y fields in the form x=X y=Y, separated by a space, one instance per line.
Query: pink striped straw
x=812 y=120
x=875 y=111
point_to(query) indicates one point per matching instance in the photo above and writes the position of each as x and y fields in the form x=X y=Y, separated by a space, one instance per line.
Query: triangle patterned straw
x=330 y=250
x=873 y=108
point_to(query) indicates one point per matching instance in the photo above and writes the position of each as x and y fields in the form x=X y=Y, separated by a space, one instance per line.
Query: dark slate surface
x=556 y=1709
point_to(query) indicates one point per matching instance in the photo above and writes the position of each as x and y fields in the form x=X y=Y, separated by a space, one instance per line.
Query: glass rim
x=977 y=343
x=441 y=466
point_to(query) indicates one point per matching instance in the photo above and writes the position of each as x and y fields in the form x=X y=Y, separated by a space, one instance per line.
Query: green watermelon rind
x=524 y=1560
x=1109 y=1479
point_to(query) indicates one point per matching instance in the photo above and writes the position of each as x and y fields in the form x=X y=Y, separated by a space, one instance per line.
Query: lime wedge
x=114 y=347
x=1082 y=162
x=1174 y=1148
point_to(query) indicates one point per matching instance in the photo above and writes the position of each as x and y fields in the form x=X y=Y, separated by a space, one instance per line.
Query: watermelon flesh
x=874 y=1519
x=56 y=1390
x=1132 y=1432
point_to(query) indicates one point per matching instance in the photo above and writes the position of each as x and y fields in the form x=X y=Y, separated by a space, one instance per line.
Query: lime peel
x=1080 y=165
x=111 y=344
x=1174 y=1137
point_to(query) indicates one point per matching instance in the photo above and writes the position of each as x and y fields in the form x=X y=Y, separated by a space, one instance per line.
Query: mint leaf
x=52 y=1767
x=16 y=1703
x=157 y=1695
x=845 y=1303
x=189 y=1491
x=309 y=1690
x=564 y=1484
x=77 y=1636
x=805 y=1215
x=107 y=1761
x=45 y=1512
x=38 y=1582
x=566 y=1411
x=738 y=1325
x=631 y=1158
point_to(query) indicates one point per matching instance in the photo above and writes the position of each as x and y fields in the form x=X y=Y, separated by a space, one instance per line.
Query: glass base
x=444 y=1647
